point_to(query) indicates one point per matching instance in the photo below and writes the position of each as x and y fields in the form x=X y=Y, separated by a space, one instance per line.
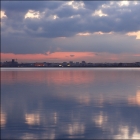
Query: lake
x=70 y=103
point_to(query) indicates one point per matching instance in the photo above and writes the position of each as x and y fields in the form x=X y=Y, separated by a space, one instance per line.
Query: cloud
x=99 y=13
x=2 y=14
x=32 y=14
x=72 y=55
x=60 y=56
x=112 y=43
x=137 y=34
x=97 y=26
x=72 y=17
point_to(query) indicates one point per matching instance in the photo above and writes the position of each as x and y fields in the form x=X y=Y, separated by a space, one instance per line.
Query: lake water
x=91 y=103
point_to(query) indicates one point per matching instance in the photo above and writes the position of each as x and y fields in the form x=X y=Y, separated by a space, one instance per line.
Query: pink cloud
x=66 y=56
x=42 y=57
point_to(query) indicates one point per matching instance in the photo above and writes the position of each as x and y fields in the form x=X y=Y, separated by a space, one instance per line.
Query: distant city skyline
x=59 y=31
x=15 y=63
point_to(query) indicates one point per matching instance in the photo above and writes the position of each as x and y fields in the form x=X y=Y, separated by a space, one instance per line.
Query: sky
x=59 y=31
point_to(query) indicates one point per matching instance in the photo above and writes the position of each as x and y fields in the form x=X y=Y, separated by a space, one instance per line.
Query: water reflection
x=135 y=100
x=100 y=119
x=70 y=103
x=32 y=119
x=2 y=119
x=75 y=129
x=124 y=133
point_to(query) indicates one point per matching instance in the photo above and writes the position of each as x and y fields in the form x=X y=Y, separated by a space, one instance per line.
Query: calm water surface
x=70 y=103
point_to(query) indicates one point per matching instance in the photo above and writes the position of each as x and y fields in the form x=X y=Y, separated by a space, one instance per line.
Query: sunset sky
x=58 y=31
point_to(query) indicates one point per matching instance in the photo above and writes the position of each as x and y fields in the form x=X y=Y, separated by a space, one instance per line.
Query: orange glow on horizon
x=48 y=56
x=94 y=57
x=67 y=56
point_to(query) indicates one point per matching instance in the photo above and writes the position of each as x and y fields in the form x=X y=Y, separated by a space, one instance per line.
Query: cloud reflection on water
x=124 y=133
x=135 y=100
x=32 y=119
x=105 y=105
x=2 y=119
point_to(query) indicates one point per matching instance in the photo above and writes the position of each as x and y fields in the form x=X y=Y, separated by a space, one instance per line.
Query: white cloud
x=52 y=17
x=135 y=2
x=75 y=16
x=2 y=13
x=95 y=33
x=76 y=5
x=32 y=14
x=105 y=6
x=84 y=34
x=55 y=17
x=101 y=33
x=99 y=13
x=123 y=3
x=137 y=34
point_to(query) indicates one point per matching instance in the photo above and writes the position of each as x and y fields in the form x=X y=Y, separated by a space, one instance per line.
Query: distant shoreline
x=79 y=67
